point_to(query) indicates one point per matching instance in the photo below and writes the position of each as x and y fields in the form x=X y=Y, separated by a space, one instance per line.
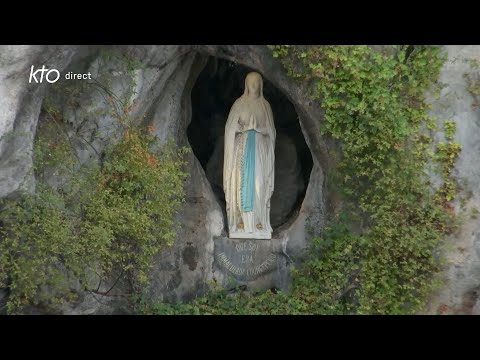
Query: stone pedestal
x=258 y=235
x=252 y=262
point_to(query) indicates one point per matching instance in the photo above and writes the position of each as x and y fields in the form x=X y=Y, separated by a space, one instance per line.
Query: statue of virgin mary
x=248 y=169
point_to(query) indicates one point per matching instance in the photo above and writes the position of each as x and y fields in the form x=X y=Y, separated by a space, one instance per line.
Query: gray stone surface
x=461 y=291
x=250 y=262
x=289 y=182
x=20 y=104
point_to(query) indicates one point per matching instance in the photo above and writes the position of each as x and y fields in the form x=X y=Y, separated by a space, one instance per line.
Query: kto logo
x=51 y=78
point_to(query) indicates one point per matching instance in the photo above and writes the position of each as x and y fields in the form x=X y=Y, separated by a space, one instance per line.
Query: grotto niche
x=217 y=87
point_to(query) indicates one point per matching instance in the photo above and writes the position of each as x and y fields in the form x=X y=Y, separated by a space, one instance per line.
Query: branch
x=105 y=293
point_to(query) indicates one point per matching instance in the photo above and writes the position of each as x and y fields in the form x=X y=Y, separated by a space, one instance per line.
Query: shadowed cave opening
x=219 y=84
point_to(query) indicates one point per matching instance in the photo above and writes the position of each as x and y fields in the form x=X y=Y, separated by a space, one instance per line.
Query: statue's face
x=254 y=88
x=253 y=84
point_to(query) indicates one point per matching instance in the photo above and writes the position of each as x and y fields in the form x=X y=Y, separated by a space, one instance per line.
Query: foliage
x=473 y=84
x=37 y=239
x=89 y=218
x=375 y=106
x=130 y=214
x=220 y=301
x=472 y=78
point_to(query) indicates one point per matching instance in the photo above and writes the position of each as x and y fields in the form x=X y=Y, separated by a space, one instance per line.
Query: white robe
x=249 y=113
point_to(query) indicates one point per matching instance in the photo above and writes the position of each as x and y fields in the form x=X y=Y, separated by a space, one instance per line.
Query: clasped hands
x=243 y=128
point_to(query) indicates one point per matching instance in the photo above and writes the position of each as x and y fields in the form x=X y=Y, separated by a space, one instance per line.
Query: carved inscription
x=264 y=266
x=230 y=267
x=244 y=265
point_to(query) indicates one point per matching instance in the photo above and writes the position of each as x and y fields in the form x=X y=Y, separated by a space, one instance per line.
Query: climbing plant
x=472 y=78
x=89 y=221
x=375 y=107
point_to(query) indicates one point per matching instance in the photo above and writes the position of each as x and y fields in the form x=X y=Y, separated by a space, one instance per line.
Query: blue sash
x=247 y=190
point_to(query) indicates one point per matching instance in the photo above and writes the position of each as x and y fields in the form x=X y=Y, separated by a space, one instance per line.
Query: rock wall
x=460 y=293
x=20 y=104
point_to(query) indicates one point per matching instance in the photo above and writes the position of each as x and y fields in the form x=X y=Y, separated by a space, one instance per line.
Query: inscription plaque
x=246 y=260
